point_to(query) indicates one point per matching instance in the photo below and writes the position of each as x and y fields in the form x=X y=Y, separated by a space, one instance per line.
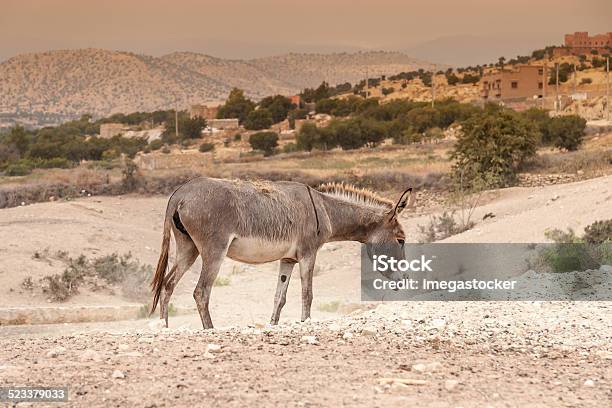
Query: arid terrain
x=102 y=82
x=513 y=354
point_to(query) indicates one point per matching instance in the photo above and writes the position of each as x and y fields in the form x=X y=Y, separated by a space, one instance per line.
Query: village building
x=108 y=130
x=519 y=82
x=203 y=111
x=581 y=43
x=223 y=124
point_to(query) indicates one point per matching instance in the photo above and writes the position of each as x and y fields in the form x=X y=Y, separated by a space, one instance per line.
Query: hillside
x=104 y=82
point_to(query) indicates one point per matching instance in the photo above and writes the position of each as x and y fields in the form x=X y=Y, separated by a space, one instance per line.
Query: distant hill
x=103 y=82
x=470 y=50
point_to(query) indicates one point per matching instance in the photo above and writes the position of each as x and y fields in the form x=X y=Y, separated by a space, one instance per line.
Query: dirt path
x=469 y=354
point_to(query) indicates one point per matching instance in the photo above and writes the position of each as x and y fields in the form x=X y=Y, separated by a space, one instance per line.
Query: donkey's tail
x=160 y=273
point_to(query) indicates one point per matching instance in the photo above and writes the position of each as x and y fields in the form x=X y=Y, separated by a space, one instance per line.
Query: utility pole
x=433 y=89
x=176 y=121
x=574 y=98
x=557 y=89
x=367 y=83
x=575 y=78
x=608 y=89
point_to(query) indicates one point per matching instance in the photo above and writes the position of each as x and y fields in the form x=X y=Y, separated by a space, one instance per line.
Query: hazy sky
x=251 y=28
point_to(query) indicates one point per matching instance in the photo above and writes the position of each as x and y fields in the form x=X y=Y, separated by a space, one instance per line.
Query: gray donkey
x=257 y=222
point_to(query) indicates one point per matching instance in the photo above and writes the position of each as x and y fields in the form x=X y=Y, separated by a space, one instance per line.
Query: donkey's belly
x=255 y=250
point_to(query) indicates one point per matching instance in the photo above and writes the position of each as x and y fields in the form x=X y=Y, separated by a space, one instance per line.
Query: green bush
x=258 y=119
x=598 y=232
x=156 y=144
x=493 y=144
x=264 y=141
x=17 y=169
x=568 y=254
x=290 y=148
x=236 y=106
x=567 y=132
x=206 y=147
x=309 y=137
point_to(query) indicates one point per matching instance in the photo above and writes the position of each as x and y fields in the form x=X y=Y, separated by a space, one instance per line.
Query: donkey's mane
x=349 y=192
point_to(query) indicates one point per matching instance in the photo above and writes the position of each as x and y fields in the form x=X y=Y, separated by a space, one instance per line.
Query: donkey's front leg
x=284 y=274
x=307 y=265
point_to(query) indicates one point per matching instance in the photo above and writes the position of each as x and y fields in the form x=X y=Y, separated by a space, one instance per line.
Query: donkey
x=258 y=222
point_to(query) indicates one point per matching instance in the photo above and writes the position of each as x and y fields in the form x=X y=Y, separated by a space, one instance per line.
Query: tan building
x=203 y=111
x=224 y=124
x=108 y=130
x=519 y=82
x=581 y=43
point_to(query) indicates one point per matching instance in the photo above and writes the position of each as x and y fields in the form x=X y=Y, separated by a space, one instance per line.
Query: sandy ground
x=499 y=354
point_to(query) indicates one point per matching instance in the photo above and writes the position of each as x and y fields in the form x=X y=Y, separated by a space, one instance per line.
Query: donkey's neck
x=350 y=221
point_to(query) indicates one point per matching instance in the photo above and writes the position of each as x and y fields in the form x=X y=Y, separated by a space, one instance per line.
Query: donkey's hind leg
x=284 y=274
x=186 y=253
x=212 y=257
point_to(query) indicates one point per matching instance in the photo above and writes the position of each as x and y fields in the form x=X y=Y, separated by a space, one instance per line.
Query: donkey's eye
x=401 y=241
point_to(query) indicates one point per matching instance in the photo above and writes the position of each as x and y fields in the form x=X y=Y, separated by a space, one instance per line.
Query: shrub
x=567 y=132
x=117 y=270
x=309 y=137
x=407 y=136
x=493 y=144
x=423 y=118
x=206 y=147
x=156 y=144
x=598 y=232
x=237 y=137
x=585 y=81
x=290 y=148
x=258 y=119
x=18 y=169
x=440 y=227
x=236 y=106
x=265 y=141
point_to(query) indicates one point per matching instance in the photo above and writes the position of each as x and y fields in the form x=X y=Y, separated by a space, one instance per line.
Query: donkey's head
x=387 y=235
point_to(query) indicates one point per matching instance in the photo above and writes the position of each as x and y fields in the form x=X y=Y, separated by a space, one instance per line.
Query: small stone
x=123 y=347
x=605 y=269
x=450 y=385
x=426 y=367
x=438 y=323
x=57 y=351
x=589 y=383
x=118 y=374
x=406 y=324
x=369 y=331
x=90 y=355
x=213 y=348
x=347 y=335
x=310 y=339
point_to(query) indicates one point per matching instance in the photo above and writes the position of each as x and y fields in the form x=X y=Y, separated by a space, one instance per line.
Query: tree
x=308 y=137
x=278 y=106
x=451 y=78
x=265 y=141
x=493 y=144
x=258 y=119
x=188 y=128
x=19 y=138
x=566 y=132
x=423 y=118
x=236 y=106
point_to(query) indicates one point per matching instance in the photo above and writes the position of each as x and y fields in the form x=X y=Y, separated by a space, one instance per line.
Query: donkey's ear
x=406 y=200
